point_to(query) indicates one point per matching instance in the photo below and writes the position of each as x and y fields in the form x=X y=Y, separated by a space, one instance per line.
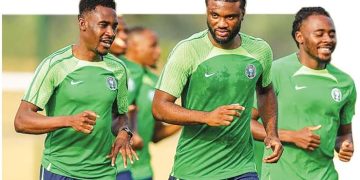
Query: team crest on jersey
x=250 y=71
x=336 y=94
x=111 y=83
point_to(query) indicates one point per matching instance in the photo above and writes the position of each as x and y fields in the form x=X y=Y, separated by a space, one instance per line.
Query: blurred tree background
x=27 y=39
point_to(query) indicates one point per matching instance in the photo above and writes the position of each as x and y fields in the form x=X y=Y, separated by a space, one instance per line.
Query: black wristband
x=127 y=130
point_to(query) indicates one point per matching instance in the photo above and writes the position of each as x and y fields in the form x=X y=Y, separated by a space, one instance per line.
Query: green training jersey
x=64 y=85
x=308 y=97
x=207 y=77
x=136 y=71
x=146 y=124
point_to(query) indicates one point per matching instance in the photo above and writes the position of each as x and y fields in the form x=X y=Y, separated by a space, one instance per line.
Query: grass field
x=22 y=152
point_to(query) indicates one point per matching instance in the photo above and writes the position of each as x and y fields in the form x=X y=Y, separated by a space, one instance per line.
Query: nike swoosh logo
x=208 y=75
x=75 y=82
x=299 y=87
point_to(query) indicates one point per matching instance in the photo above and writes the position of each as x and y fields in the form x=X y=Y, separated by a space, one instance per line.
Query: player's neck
x=309 y=61
x=81 y=52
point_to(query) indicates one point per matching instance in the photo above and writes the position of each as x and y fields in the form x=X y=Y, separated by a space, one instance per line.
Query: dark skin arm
x=164 y=109
x=257 y=129
x=132 y=115
x=163 y=131
x=268 y=112
x=304 y=138
x=122 y=142
x=344 y=143
x=137 y=142
x=28 y=121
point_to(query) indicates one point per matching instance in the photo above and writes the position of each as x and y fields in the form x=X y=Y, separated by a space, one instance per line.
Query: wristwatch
x=127 y=130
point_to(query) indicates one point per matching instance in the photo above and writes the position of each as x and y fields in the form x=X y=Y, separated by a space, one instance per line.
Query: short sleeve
x=42 y=85
x=267 y=59
x=348 y=110
x=122 y=96
x=261 y=51
x=177 y=70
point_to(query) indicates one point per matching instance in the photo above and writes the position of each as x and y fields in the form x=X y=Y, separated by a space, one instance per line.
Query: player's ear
x=299 y=37
x=82 y=23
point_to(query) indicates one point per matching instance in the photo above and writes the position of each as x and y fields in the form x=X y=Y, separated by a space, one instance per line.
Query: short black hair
x=242 y=2
x=90 y=5
x=304 y=13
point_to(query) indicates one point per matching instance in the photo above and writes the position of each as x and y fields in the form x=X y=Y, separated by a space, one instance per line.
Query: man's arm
x=344 y=143
x=257 y=129
x=28 y=121
x=137 y=141
x=304 y=138
x=163 y=131
x=164 y=109
x=268 y=112
x=122 y=141
x=132 y=115
x=119 y=122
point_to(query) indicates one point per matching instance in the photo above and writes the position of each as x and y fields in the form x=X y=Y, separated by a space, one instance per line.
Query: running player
x=216 y=72
x=78 y=86
x=316 y=102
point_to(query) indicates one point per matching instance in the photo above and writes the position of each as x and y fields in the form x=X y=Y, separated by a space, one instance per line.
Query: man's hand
x=305 y=138
x=346 y=151
x=223 y=115
x=137 y=142
x=83 y=122
x=122 y=145
x=276 y=146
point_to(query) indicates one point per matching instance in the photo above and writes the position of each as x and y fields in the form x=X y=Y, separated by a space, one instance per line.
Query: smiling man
x=216 y=73
x=80 y=86
x=316 y=103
